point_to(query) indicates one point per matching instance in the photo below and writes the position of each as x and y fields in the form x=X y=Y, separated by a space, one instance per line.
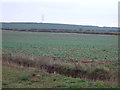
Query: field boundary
x=68 y=69
x=65 y=31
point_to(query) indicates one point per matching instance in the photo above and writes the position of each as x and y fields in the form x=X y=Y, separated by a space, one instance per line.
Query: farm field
x=63 y=45
x=63 y=57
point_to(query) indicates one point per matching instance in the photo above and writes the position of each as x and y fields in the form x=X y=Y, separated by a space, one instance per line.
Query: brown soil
x=34 y=78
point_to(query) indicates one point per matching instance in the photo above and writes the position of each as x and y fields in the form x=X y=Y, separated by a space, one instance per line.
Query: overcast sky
x=81 y=12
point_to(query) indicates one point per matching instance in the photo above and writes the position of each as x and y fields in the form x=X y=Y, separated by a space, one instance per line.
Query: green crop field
x=52 y=53
x=63 y=45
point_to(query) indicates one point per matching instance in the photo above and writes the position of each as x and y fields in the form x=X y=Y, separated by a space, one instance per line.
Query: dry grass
x=91 y=71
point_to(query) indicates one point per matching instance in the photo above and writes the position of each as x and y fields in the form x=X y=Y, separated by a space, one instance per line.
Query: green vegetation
x=53 y=26
x=66 y=46
x=14 y=77
x=56 y=59
x=92 y=71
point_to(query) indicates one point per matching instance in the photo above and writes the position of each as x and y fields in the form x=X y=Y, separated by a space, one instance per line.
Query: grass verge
x=14 y=77
x=91 y=71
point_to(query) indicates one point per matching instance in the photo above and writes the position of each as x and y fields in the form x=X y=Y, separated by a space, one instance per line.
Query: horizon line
x=53 y=23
